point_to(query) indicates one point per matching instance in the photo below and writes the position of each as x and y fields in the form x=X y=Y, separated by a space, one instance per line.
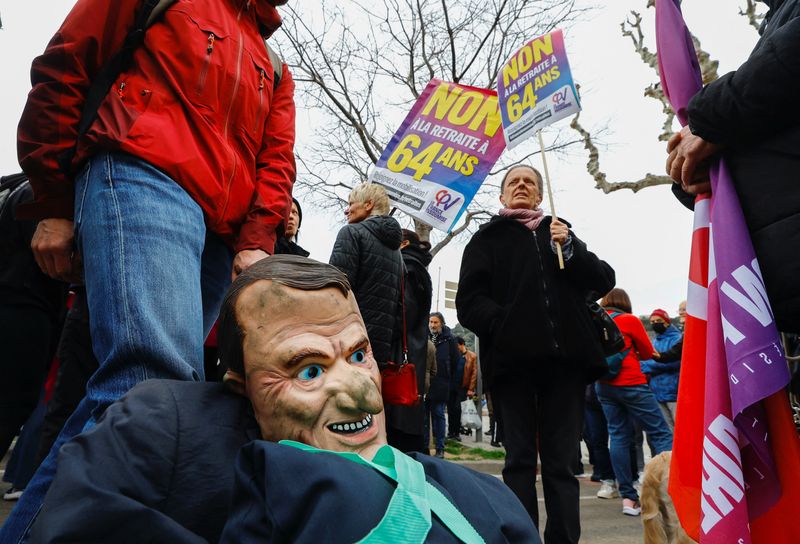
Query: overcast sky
x=645 y=237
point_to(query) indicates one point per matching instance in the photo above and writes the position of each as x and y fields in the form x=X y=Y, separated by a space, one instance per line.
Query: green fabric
x=408 y=515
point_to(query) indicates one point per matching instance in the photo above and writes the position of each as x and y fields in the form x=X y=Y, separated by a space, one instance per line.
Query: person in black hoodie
x=405 y=424
x=367 y=249
x=751 y=116
x=538 y=347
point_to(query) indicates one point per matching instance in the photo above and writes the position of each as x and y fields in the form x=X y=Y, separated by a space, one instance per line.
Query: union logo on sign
x=445 y=200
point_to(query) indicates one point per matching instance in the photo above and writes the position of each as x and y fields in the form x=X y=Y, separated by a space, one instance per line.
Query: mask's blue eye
x=359 y=357
x=311 y=372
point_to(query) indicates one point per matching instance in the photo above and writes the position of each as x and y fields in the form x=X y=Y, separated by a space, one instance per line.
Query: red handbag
x=399 y=380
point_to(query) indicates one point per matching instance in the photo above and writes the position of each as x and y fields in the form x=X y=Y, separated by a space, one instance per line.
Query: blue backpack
x=614 y=362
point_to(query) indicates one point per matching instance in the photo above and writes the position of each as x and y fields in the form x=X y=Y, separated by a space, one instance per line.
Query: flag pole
x=550 y=197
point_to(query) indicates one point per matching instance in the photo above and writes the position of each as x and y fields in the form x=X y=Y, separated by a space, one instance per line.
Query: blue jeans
x=637 y=401
x=434 y=412
x=597 y=434
x=155 y=279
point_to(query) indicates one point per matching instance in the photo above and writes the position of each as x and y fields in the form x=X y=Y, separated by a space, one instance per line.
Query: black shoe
x=495 y=443
x=440 y=454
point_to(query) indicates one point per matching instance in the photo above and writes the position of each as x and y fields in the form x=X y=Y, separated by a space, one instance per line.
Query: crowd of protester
x=173 y=359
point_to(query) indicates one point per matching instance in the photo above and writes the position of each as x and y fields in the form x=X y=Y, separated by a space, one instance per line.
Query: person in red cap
x=663 y=373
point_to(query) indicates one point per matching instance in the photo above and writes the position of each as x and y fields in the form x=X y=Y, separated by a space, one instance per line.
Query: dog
x=660 y=521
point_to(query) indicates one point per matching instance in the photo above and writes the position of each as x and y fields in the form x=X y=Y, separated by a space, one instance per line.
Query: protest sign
x=535 y=88
x=442 y=152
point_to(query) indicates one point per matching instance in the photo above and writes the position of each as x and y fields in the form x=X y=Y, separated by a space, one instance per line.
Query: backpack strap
x=110 y=71
x=277 y=65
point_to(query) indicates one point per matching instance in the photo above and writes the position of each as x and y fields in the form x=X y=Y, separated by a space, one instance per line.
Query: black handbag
x=611 y=339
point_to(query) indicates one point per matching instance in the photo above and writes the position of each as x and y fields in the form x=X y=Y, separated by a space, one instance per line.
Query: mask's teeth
x=352 y=427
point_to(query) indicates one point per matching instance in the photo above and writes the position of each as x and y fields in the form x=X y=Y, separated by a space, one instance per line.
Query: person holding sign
x=538 y=349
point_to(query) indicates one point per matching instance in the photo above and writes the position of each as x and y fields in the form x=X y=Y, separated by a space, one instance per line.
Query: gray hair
x=529 y=167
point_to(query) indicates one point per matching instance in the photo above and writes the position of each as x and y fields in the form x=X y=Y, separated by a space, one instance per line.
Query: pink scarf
x=529 y=218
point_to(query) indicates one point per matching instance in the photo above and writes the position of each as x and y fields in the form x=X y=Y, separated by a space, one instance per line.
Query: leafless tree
x=364 y=65
x=632 y=29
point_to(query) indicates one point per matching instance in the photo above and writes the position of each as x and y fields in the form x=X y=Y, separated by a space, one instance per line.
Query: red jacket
x=198 y=103
x=636 y=338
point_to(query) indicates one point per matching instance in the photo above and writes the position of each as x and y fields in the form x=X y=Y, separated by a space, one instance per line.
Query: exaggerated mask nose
x=353 y=390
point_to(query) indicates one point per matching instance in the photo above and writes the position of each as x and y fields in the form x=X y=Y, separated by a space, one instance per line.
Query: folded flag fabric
x=735 y=472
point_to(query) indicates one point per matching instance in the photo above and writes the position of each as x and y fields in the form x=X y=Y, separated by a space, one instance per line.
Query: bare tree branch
x=601 y=182
x=468 y=217
x=632 y=28
x=753 y=18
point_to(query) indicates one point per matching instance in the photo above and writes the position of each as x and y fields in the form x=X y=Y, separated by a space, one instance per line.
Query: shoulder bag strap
x=102 y=82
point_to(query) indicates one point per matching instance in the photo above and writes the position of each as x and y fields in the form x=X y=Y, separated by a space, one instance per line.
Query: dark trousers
x=405 y=442
x=544 y=422
x=25 y=341
x=454 y=411
x=22 y=463
x=77 y=364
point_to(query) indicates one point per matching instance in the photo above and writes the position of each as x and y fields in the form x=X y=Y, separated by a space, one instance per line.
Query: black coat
x=418 y=295
x=755 y=113
x=287 y=247
x=158 y=467
x=447 y=356
x=368 y=252
x=284 y=495
x=530 y=316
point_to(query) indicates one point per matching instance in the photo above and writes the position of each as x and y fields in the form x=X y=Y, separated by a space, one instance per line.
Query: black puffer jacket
x=755 y=114
x=368 y=252
x=446 y=360
x=418 y=294
x=531 y=317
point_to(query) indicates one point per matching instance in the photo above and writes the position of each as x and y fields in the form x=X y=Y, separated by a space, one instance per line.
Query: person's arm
x=673 y=354
x=275 y=173
x=113 y=480
x=455 y=357
x=473 y=379
x=641 y=342
x=475 y=307
x=346 y=254
x=757 y=100
x=249 y=520
x=740 y=108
